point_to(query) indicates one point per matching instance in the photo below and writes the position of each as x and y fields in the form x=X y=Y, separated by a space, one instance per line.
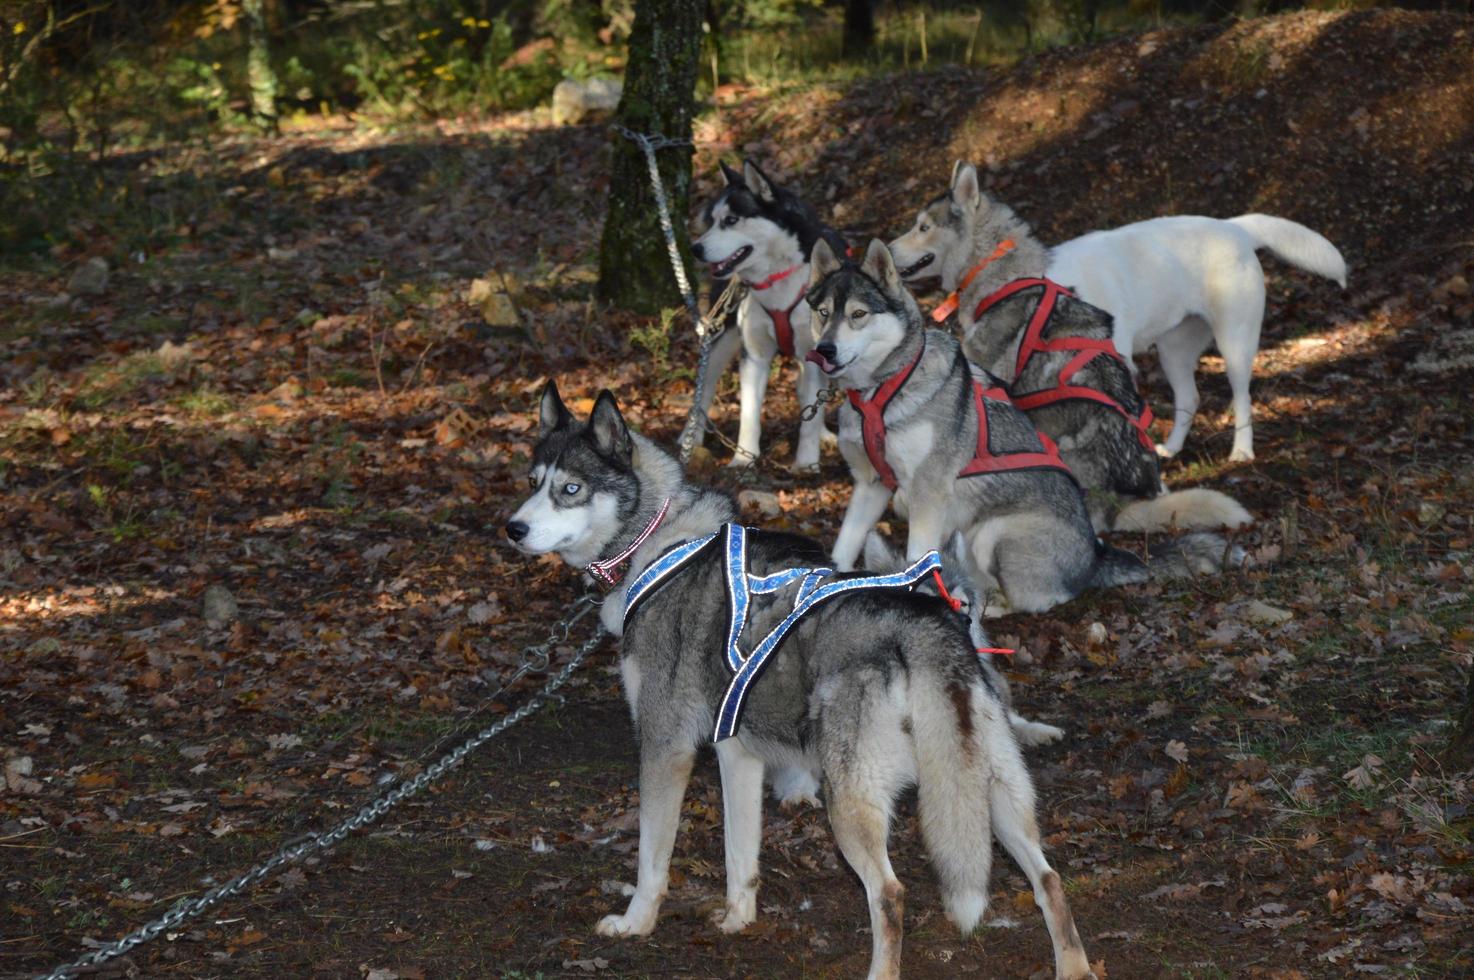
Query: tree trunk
x=1461 y=749
x=664 y=56
x=859 y=27
x=259 y=74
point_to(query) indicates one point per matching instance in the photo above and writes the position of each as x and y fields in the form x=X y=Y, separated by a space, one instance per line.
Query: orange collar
x=948 y=306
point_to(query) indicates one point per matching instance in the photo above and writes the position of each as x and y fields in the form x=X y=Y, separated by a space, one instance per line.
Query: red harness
x=1086 y=348
x=984 y=459
x=782 y=324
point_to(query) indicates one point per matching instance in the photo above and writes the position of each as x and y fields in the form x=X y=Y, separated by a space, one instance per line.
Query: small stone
x=762 y=501
x=1096 y=635
x=1264 y=614
x=220 y=606
x=1146 y=48
x=90 y=278
x=574 y=101
x=1430 y=513
x=1456 y=286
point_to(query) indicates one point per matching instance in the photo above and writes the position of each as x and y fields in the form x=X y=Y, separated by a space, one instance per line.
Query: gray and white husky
x=762 y=233
x=966 y=460
x=1181 y=283
x=1054 y=353
x=873 y=691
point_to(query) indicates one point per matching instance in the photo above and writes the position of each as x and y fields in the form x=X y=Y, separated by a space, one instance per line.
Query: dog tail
x=1189 y=555
x=1294 y=243
x=1116 y=567
x=1194 y=509
x=952 y=785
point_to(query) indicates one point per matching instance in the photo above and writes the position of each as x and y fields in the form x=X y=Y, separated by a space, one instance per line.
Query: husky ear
x=822 y=262
x=552 y=413
x=880 y=266
x=611 y=435
x=730 y=175
x=757 y=181
x=965 y=190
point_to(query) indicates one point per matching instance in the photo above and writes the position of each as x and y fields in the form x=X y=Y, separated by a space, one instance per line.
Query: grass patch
x=105 y=384
x=206 y=402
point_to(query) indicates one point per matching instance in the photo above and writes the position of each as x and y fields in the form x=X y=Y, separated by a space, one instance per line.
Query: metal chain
x=539 y=660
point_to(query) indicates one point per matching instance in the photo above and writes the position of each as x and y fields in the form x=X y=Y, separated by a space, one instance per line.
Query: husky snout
x=516 y=530
x=824 y=354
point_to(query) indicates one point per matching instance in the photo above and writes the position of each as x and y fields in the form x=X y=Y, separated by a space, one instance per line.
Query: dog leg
x=662 y=786
x=806 y=460
x=928 y=526
x=867 y=503
x=1011 y=801
x=753 y=373
x=860 y=828
x=723 y=350
x=1179 y=350
x=742 y=828
x=1238 y=363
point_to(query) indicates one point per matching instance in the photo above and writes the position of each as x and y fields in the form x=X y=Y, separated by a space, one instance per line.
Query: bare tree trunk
x=659 y=82
x=1461 y=749
x=859 y=27
x=259 y=74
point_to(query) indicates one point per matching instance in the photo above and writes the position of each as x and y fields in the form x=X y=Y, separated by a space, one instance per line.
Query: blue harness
x=741 y=587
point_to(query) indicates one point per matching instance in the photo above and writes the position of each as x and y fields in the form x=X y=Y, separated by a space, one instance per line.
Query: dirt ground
x=250 y=570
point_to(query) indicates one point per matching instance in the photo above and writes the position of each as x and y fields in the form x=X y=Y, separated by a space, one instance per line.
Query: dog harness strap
x=747 y=669
x=985 y=460
x=872 y=417
x=783 y=324
x=948 y=306
x=607 y=571
x=662 y=570
x=1087 y=349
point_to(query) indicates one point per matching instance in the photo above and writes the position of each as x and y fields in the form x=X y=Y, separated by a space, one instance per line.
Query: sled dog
x=868 y=685
x=923 y=421
x=1053 y=351
x=1181 y=283
x=761 y=233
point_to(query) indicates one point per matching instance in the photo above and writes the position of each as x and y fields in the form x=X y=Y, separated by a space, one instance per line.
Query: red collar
x=872 y=417
x=949 y=305
x=775 y=278
x=608 y=571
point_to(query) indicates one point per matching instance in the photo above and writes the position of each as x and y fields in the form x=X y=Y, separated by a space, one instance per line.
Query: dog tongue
x=825 y=364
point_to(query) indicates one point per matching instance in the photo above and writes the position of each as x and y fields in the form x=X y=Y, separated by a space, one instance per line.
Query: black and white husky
x=870 y=689
x=924 y=422
x=1054 y=353
x=1181 y=283
x=761 y=233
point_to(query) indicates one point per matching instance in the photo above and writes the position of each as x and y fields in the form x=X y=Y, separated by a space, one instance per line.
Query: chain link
x=537 y=658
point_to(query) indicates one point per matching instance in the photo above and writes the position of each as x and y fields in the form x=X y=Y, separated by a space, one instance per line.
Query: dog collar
x=775 y=278
x=608 y=570
x=948 y=306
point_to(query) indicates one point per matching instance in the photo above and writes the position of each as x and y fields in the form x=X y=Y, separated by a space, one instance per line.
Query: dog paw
x=1241 y=456
x=1032 y=733
x=618 y=926
x=805 y=468
x=793 y=802
x=734 y=918
x=741 y=461
x=1164 y=452
x=828 y=440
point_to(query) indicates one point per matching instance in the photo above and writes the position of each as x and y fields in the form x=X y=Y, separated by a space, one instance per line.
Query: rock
x=89 y=278
x=1263 y=614
x=1455 y=286
x=495 y=303
x=762 y=501
x=1096 y=635
x=575 y=101
x=219 y=605
x=18 y=779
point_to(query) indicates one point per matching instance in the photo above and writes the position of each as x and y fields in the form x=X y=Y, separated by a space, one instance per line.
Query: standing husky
x=924 y=422
x=763 y=234
x=1181 y=283
x=1053 y=352
x=874 y=689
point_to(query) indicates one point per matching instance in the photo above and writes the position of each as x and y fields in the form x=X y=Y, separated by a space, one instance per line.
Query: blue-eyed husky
x=761 y=233
x=742 y=637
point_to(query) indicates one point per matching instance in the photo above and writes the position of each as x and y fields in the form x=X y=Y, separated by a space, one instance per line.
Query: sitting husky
x=763 y=234
x=1181 y=283
x=874 y=688
x=1053 y=352
x=922 y=421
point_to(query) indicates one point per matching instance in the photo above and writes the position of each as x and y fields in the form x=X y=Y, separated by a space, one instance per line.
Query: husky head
x=754 y=227
x=940 y=240
x=863 y=314
x=583 y=482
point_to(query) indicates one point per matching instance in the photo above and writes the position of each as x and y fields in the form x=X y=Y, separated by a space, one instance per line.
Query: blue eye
x=571 y=488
